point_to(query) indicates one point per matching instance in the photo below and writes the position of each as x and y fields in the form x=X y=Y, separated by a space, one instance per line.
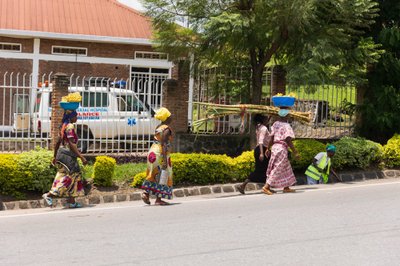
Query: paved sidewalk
x=186 y=192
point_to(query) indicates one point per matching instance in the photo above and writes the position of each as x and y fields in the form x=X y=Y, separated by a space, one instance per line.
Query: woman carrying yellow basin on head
x=159 y=169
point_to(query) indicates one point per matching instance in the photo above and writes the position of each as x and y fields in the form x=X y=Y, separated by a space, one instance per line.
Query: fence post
x=278 y=80
x=175 y=96
x=60 y=89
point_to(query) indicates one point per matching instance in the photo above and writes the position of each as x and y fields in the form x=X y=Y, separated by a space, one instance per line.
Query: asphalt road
x=342 y=224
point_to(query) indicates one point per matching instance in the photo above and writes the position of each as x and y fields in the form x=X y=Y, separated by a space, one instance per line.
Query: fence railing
x=332 y=107
x=115 y=115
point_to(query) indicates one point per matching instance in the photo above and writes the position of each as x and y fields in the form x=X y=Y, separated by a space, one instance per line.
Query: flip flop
x=289 y=190
x=240 y=189
x=145 y=198
x=267 y=191
x=161 y=203
x=75 y=205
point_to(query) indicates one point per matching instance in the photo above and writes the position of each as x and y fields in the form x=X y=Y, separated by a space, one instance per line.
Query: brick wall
x=175 y=97
x=110 y=50
x=60 y=89
x=84 y=69
x=27 y=44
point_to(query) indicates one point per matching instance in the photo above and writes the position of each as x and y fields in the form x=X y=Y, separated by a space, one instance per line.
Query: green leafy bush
x=38 y=174
x=391 y=152
x=103 y=171
x=307 y=149
x=243 y=165
x=356 y=153
x=201 y=169
x=10 y=176
x=138 y=179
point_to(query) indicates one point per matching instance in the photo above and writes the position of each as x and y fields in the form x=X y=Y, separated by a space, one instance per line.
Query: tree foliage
x=315 y=39
x=381 y=108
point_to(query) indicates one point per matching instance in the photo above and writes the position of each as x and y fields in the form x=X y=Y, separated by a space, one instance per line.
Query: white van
x=104 y=113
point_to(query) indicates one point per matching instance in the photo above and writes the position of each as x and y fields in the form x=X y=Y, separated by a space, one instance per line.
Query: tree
x=320 y=38
x=381 y=106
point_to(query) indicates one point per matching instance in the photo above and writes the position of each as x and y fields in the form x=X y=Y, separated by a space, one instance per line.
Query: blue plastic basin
x=283 y=101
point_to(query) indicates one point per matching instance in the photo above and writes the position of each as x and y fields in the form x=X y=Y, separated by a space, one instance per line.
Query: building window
x=10 y=47
x=66 y=50
x=151 y=55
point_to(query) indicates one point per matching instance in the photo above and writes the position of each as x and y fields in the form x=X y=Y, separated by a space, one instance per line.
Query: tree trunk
x=256 y=97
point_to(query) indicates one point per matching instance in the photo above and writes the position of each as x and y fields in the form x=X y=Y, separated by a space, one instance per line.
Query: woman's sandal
x=267 y=191
x=161 y=203
x=74 y=205
x=240 y=188
x=145 y=198
x=288 y=190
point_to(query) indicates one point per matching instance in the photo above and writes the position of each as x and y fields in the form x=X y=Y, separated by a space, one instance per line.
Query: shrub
x=138 y=179
x=391 y=152
x=103 y=171
x=201 y=169
x=356 y=153
x=307 y=149
x=10 y=176
x=38 y=174
x=243 y=165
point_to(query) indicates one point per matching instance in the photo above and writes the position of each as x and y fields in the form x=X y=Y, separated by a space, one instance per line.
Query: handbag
x=164 y=177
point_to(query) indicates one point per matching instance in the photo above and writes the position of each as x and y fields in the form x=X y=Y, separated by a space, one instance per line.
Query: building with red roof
x=91 y=37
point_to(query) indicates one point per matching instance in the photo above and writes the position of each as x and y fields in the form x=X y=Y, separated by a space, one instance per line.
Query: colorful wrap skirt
x=67 y=184
x=152 y=183
x=280 y=173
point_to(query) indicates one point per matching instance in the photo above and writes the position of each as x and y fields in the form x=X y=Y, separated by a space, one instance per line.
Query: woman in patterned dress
x=68 y=180
x=159 y=169
x=280 y=173
x=260 y=156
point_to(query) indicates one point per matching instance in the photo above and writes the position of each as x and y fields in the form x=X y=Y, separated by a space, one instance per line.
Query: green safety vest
x=315 y=174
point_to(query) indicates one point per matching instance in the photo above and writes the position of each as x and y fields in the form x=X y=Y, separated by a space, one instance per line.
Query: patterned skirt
x=280 y=173
x=152 y=183
x=67 y=184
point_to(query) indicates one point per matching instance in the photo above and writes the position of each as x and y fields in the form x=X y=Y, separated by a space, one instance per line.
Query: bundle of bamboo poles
x=214 y=111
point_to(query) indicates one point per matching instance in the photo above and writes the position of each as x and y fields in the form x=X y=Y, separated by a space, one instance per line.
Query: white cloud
x=133 y=3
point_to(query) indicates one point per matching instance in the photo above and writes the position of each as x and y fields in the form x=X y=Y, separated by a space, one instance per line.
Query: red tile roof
x=78 y=17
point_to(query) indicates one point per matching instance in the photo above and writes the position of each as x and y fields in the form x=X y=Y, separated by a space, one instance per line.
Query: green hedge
x=104 y=171
x=391 y=152
x=356 y=153
x=32 y=171
x=307 y=149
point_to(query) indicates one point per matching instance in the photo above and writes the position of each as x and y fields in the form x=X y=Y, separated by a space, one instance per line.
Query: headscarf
x=331 y=148
x=162 y=114
x=68 y=115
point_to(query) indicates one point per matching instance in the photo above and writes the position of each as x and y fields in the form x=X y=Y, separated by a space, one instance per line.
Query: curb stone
x=184 y=192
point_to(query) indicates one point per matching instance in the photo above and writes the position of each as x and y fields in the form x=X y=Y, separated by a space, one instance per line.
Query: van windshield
x=129 y=103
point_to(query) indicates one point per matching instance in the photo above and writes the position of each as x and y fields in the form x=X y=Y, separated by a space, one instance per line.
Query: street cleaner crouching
x=318 y=172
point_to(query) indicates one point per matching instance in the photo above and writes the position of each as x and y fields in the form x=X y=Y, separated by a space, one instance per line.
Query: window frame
x=151 y=54
x=69 y=47
x=2 y=44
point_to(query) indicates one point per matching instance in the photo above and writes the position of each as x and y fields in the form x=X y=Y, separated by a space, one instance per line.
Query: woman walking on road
x=159 y=169
x=260 y=153
x=280 y=173
x=68 y=180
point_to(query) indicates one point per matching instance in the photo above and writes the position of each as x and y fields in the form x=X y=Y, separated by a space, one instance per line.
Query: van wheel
x=85 y=140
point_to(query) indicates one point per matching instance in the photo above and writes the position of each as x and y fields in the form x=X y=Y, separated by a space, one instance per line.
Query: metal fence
x=115 y=115
x=332 y=107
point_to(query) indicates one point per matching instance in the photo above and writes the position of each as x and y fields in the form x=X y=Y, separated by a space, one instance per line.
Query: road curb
x=186 y=192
